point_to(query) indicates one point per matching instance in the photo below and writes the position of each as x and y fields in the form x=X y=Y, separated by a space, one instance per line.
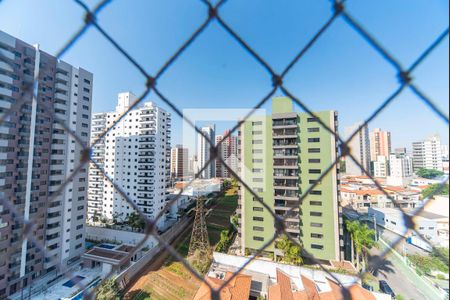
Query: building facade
x=427 y=154
x=179 y=162
x=204 y=152
x=400 y=169
x=360 y=149
x=228 y=152
x=135 y=154
x=380 y=167
x=380 y=144
x=36 y=156
x=281 y=155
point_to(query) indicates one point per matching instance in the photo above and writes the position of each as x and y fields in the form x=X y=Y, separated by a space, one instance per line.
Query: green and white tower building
x=282 y=155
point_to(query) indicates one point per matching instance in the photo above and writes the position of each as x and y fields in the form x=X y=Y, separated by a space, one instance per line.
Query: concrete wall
x=119 y=236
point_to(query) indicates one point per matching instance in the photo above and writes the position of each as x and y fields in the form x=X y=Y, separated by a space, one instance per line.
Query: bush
x=108 y=291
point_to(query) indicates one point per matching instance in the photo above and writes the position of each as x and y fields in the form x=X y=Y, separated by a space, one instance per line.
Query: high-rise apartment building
x=360 y=149
x=400 y=169
x=427 y=154
x=135 y=154
x=179 y=162
x=228 y=152
x=36 y=156
x=380 y=144
x=282 y=155
x=380 y=167
x=204 y=152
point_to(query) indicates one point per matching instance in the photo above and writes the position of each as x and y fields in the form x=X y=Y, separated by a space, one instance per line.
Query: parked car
x=385 y=288
x=367 y=287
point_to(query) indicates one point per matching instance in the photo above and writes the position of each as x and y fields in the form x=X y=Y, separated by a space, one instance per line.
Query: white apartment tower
x=360 y=149
x=400 y=169
x=135 y=154
x=37 y=155
x=204 y=152
x=427 y=154
x=380 y=167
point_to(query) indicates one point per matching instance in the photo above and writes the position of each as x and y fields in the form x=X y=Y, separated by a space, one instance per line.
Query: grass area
x=173 y=280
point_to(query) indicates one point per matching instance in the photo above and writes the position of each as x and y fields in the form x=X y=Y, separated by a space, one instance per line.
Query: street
x=402 y=280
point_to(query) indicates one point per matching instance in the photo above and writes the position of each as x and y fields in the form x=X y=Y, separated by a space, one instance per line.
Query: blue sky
x=341 y=72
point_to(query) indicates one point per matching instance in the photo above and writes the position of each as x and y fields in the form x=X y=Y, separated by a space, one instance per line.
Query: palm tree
x=362 y=239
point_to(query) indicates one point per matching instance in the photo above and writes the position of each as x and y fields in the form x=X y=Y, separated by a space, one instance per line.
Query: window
x=314 y=160
x=257 y=180
x=257 y=160
x=314 y=171
x=315 y=203
x=259 y=219
x=317 y=225
x=310 y=120
x=256 y=123
x=314 y=129
x=313 y=140
x=316 y=235
x=257 y=142
x=258 y=238
x=256 y=170
x=257 y=132
x=315 y=246
x=315 y=214
x=316 y=192
x=257 y=151
x=313 y=150
x=258 y=228
x=257 y=209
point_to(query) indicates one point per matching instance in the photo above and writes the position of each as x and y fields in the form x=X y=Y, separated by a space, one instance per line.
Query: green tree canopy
x=434 y=190
x=429 y=173
x=291 y=251
x=362 y=237
x=108 y=291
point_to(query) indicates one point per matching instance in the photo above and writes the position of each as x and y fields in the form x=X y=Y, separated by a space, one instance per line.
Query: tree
x=135 y=221
x=433 y=190
x=108 y=291
x=224 y=243
x=429 y=173
x=291 y=251
x=362 y=238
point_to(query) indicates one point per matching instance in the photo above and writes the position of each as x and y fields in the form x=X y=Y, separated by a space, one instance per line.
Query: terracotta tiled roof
x=369 y=192
x=356 y=292
x=237 y=289
x=394 y=188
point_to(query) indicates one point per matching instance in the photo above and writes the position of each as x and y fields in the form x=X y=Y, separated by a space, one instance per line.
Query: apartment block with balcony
x=282 y=155
x=135 y=154
x=36 y=156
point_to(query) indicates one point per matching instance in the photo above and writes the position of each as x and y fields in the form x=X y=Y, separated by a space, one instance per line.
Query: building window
x=315 y=246
x=314 y=160
x=313 y=140
x=316 y=235
x=258 y=228
x=257 y=180
x=314 y=129
x=257 y=209
x=315 y=203
x=314 y=171
x=315 y=214
x=316 y=192
x=310 y=120
x=259 y=219
x=258 y=238
x=317 y=225
x=313 y=150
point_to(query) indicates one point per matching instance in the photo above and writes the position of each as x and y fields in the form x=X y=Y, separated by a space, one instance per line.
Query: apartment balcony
x=293 y=229
x=285 y=146
x=286 y=166
x=285 y=136
x=5 y=78
x=62 y=76
x=287 y=187
x=288 y=125
x=146 y=175
x=146 y=168
x=145 y=189
x=61 y=86
x=146 y=161
x=146 y=153
x=6 y=66
x=288 y=197
x=61 y=96
x=147 y=140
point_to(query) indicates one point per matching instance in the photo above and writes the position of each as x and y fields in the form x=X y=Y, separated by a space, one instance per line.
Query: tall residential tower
x=135 y=154
x=36 y=156
x=360 y=149
x=282 y=155
x=427 y=154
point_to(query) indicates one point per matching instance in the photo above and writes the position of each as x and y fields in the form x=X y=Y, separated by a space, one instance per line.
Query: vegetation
x=362 y=238
x=225 y=241
x=429 y=173
x=108 y=291
x=291 y=251
x=434 y=190
x=135 y=221
x=200 y=262
x=436 y=261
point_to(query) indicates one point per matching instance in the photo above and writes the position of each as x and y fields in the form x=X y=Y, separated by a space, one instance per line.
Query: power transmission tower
x=199 y=239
